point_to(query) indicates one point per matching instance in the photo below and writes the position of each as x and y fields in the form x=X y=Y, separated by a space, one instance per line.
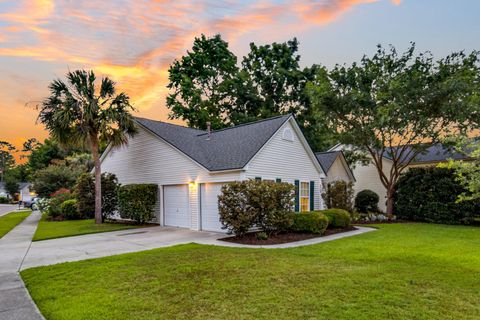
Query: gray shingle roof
x=435 y=153
x=225 y=149
x=326 y=159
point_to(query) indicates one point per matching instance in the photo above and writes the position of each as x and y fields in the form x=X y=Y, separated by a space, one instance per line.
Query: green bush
x=309 y=222
x=337 y=218
x=4 y=200
x=54 y=207
x=85 y=195
x=339 y=194
x=137 y=201
x=430 y=195
x=54 y=177
x=366 y=201
x=266 y=205
x=69 y=210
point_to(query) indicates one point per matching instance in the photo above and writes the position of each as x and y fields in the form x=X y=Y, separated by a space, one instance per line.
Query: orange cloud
x=133 y=43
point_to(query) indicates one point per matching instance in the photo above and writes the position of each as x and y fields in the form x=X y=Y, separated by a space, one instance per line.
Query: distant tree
x=80 y=113
x=12 y=185
x=6 y=157
x=42 y=154
x=54 y=177
x=397 y=105
x=200 y=83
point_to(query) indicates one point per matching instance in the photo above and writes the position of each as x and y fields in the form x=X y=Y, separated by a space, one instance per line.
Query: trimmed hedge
x=366 y=201
x=430 y=195
x=309 y=222
x=243 y=205
x=337 y=218
x=137 y=201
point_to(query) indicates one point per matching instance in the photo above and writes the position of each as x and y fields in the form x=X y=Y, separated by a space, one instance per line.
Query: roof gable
x=225 y=149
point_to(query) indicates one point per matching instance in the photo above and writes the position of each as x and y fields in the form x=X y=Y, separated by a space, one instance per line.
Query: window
x=304 y=196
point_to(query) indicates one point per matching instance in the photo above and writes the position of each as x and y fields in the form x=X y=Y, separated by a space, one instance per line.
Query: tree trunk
x=390 y=193
x=98 y=181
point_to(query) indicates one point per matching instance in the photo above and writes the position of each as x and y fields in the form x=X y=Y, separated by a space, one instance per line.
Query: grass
x=11 y=220
x=401 y=271
x=60 y=229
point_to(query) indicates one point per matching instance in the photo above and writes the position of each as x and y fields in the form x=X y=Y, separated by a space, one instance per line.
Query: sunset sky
x=134 y=42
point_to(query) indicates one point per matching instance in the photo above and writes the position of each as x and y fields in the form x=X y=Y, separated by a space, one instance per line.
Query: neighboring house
x=24 y=192
x=3 y=191
x=367 y=175
x=335 y=166
x=190 y=166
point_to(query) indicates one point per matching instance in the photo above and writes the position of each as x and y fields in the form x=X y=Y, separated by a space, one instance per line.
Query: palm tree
x=81 y=114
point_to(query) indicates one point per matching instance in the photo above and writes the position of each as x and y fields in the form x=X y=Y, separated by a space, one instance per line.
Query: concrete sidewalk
x=15 y=302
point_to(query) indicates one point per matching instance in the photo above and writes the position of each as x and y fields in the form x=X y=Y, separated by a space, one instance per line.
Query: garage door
x=176 y=206
x=209 y=207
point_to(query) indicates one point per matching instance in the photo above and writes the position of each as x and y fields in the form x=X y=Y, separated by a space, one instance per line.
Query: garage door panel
x=176 y=207
x=210 y=219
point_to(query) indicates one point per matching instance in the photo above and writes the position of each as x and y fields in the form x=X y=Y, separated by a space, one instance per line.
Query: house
x=24 y=192
x=190 y=166
x=335 y=166
x=367 y=175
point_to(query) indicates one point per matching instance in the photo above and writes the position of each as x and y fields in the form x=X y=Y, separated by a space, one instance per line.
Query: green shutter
x=258 y=178
x=312 y=195
x=278 y=180
x=297 y=196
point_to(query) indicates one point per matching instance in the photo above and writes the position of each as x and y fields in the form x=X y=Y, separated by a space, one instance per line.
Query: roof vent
x=287 y=134
x=209 y=130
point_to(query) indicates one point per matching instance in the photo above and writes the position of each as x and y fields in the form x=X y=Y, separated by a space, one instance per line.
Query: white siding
x=148 y=159
x=367 y=178
x=287 y=160
x=338 y=172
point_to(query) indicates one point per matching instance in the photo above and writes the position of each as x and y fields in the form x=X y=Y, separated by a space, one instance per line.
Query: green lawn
x=11 y=220
x=401 y=271
x=60 y=229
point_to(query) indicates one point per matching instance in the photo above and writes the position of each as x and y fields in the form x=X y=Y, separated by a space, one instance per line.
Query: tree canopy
x=398 y=104
x=207 y=86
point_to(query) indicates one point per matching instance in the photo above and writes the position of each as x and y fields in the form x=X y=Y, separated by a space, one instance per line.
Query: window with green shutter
x=312 y=195
x=297 y=196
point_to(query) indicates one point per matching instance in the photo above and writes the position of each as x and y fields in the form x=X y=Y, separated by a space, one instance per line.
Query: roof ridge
x=169 y=123
x=324 y=152
x=247 y=123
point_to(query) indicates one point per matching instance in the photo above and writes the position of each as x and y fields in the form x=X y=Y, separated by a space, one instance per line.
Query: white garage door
x=176 y=206
x=209 y=207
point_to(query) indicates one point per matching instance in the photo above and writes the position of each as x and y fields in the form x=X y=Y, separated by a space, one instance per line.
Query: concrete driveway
x=6 y=208
x=54 y=251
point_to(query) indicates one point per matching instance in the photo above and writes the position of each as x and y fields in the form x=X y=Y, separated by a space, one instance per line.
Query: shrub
x=430 y=195
x=69 y=210
x=137 y=201
x=85 y=194
x=339 y=194
x=4 y=200
x=266 y=205
x=43 y=204
x=110 y=187
x=309 y=222
x=366 y=201
x=54 y=207
x=262 y=235
x=337 y=218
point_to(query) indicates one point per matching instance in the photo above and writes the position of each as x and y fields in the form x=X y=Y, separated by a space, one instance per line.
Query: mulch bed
x=251 y=238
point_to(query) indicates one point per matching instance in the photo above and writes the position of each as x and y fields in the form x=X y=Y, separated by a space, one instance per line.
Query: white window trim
x=300 y=196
